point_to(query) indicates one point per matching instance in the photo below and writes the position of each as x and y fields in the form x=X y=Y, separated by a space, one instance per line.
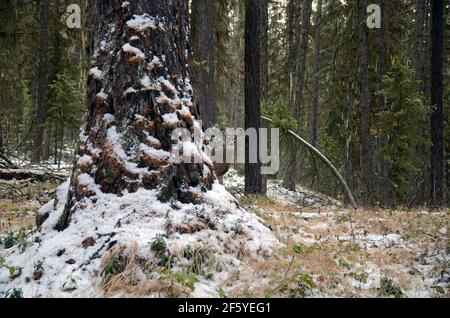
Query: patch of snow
x=156 y=62
x=96 y=73
x=102 y=95
x=143 y=22
x=130 y=90
x=133 y=50
x=171 y=118
x=155 y=153
x=109 y=118
x=85 y=159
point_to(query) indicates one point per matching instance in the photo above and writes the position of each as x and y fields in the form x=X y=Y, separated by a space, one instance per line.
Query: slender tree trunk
x=253 y=177
x=137 y=97
x=315 y=79
x=293 y=9
x=383 y=182
x=41 y=101
x=419 y=43
x=366 y=110
x=265 y=87
x=301 y=62
x=293 y=170
x=202 y=38
x=265 y=51
x=437 y=136
x=419 y=66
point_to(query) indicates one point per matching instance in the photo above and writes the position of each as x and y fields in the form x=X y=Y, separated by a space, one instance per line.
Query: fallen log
x=24 y=174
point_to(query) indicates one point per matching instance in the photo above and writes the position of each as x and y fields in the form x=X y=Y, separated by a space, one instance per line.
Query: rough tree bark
x=264 y=50
x=419 y=66
x=265 y=87
x=41 y=98
x=437 y=89
x=253 y=177
x=293 y=169
x=139 y=92
x=383 y=183
x=202 y=39
x=292 y=28
x=315 y=79
x=366 y=110
x=419 y=43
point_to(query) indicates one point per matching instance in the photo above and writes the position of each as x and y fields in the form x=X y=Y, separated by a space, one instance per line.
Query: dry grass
x=340 y=262
x=322 y=247
x=20 y=202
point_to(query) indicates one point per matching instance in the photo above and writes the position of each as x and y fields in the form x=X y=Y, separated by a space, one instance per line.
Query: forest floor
x=330 y=250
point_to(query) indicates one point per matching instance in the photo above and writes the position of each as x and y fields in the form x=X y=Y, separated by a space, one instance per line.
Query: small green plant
x=298 y=285
x=114 y=266
x=14 y=293
x=38 y=265
x=341 y=218
x=302 y=249
x=186 y=279
x=344 y=264
x=14 y=272
x=222 y=293
x=200 y=258
x=362 y=277
x=388 y=288
x=439 y=290
x=15 y=239
x=158 y=245
x=38 y=270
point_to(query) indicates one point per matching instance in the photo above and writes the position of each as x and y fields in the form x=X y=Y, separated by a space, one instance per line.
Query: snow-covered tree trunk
x=139 y=92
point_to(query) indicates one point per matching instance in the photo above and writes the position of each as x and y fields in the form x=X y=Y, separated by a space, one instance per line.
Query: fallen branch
x=23 y=174
x=324 y=160
x=6 y=162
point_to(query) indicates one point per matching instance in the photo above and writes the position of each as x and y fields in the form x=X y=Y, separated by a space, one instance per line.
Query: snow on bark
x=126 y=191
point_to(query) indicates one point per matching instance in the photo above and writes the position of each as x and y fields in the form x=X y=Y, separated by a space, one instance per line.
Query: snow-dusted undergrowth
x=107 y=221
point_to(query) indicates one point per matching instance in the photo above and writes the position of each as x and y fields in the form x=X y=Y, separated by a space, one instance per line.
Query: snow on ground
x=219 y=249
x=135 y=244
x=345 y=253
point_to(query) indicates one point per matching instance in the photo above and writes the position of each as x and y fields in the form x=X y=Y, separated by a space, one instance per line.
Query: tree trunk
x=41 y=98
x=264 y=51
x=253 y=177
x=301 y=62
x=293 y=169
x=265 y=84
x=137 y=97
x=293 y=9
x=202 y=39
x=383 y=182
x=315 y=79
x=421 y=128
x=366 y=110
x=419 y=45
x=437 y=136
